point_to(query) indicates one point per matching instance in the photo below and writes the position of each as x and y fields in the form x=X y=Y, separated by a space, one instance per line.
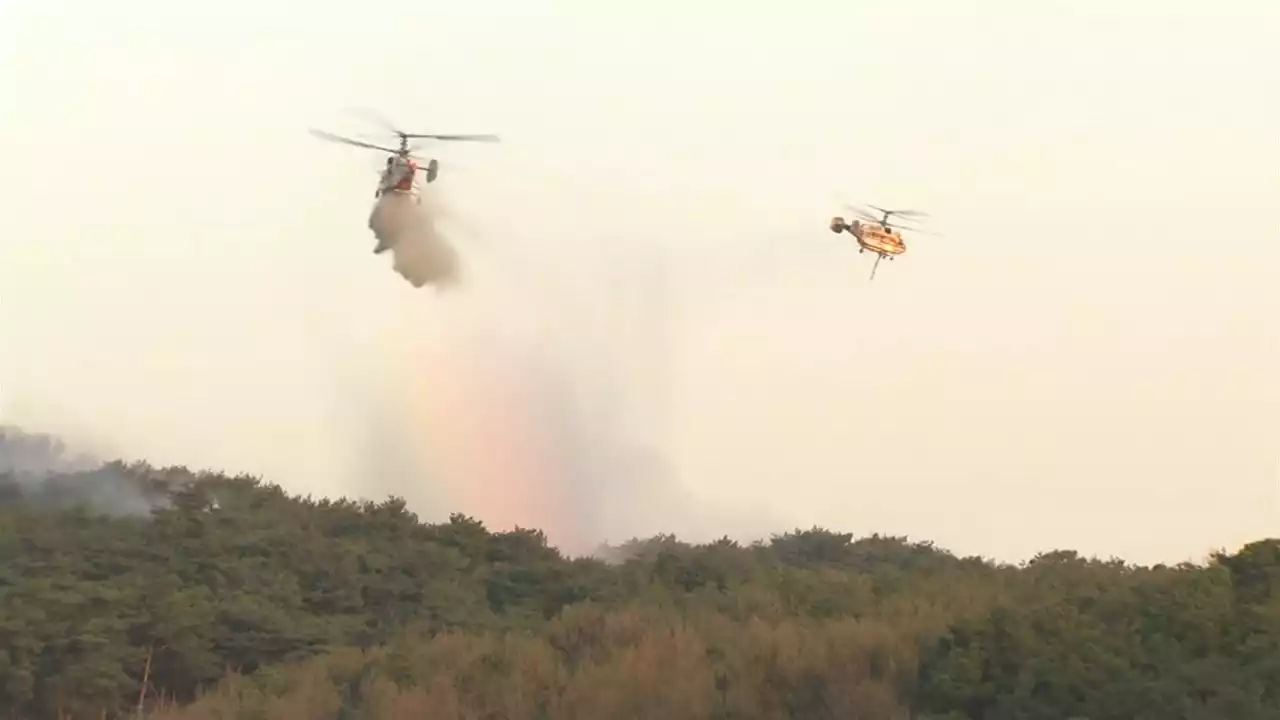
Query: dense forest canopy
x=126 y=589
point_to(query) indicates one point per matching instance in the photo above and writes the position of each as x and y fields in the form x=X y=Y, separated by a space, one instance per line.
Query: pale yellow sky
x=1086 y=358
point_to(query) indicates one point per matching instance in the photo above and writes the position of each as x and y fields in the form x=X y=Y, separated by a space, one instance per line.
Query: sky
x=657 y=332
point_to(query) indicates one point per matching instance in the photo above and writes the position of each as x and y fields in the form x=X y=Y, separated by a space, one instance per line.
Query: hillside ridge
x=229 y=595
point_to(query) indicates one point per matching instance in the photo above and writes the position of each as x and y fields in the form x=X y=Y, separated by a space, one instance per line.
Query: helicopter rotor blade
x=903 y=213
x=378 y=118
x=467 y=138
x=916 y=230
x=863 y=211
x=348 y=141
x=868 y=217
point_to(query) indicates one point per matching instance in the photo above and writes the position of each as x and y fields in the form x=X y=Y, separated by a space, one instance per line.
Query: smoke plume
x=26 y=455
x=40 y=469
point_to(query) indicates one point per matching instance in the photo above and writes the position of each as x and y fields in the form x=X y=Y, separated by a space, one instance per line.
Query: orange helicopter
x=876 y=234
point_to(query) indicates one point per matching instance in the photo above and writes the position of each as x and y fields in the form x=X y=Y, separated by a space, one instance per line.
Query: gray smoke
x=40 y=469
x=26 y=455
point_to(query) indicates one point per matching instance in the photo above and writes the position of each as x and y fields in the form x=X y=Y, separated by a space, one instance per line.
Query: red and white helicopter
x=402 y=165
x=877 y=234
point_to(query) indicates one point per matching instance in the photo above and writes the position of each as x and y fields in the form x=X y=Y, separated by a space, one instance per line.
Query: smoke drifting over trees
x=27 y=455
x=40 y=469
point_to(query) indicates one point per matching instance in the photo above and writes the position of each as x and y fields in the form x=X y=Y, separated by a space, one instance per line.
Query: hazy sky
x=1086 y=358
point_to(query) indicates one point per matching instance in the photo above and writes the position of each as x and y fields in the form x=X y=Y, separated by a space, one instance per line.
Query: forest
x=133 y=591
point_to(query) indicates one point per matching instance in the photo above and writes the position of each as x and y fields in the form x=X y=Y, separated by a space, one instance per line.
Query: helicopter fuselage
x=872 y=236
x=413 y=170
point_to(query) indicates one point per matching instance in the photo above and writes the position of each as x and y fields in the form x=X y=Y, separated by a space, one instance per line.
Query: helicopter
x=877 y=234
x=406 y=153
